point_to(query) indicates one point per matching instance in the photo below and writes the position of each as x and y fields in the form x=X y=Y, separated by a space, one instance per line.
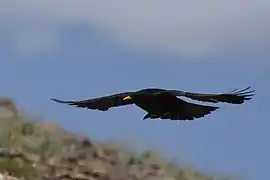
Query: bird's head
x=134 y=97
x=139 y=95
x=127 y=98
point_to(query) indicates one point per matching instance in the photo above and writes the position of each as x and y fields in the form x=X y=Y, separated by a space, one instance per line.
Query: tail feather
x=185 y=111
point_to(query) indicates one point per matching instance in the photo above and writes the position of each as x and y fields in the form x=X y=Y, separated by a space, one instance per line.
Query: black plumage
x=164 y=104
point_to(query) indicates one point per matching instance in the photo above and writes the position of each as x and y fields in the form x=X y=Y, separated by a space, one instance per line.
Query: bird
x=164 y=104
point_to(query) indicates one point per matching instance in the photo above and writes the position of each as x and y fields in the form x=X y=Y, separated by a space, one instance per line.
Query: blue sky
x=43 y=57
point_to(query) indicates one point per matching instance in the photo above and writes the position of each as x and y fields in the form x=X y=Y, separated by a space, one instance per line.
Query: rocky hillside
x=35 y=151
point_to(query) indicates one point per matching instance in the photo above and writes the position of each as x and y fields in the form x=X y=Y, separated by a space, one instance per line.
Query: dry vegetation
x=35 y=151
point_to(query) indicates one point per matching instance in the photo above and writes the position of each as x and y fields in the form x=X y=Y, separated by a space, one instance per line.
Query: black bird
x=164 y=104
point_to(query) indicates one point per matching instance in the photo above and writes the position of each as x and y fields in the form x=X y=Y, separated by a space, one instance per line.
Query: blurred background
x=82 y=49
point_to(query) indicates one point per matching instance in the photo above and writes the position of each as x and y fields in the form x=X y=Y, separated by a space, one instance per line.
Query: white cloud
x=180 y=27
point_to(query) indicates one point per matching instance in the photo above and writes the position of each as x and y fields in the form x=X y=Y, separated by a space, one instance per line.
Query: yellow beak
x=127 y=98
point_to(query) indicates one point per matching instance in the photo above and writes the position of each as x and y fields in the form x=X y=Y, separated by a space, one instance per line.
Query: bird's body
x=164 y=104
x=159 y=103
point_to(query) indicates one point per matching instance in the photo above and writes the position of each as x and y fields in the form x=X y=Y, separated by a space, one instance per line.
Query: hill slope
x=38 y=151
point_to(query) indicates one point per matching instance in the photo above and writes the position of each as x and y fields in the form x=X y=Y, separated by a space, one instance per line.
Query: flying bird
x=164 y=104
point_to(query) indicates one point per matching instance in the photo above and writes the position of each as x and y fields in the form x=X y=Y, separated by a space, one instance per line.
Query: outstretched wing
x=101 y=103
x=234 y=97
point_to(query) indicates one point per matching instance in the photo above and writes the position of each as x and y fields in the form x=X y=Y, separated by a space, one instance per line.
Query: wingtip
x=56 y=100
x=246 y=94
x=59 y=101
x=246 y=91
